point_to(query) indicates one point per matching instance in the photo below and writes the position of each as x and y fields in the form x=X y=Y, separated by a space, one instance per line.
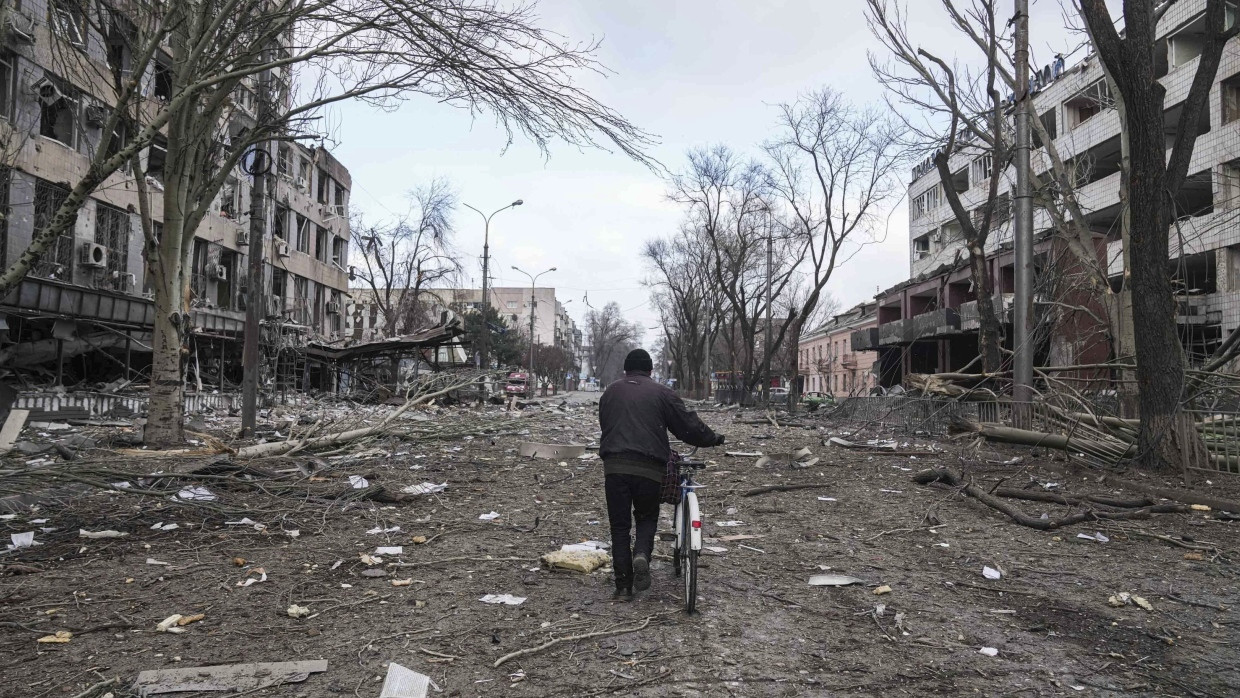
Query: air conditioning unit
x=243 y=237
x=352 y=273
x=123 y=281
x=338 y=210
x=219 y=272
x=281 y=248
x=333 y=308
x=301 y=184
x=275 y=306
x=20 y=27
x=93 y=255
x=46 y=91
x=96 y=116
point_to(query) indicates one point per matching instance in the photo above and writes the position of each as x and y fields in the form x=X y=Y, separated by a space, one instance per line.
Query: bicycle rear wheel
x=691 y=564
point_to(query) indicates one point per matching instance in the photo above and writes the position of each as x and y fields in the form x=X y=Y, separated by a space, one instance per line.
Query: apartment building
x=929 y=323
x=89 y=293
x=827 y=362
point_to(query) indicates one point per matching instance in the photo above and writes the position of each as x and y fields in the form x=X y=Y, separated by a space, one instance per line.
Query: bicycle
x=687 y=520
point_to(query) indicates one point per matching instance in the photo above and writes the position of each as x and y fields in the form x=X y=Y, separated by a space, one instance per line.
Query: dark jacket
x=635 y=414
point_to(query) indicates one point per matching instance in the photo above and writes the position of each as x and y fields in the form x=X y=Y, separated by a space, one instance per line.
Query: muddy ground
x=762 y=630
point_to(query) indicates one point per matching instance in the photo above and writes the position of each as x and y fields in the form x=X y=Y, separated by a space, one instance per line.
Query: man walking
x=635 y=414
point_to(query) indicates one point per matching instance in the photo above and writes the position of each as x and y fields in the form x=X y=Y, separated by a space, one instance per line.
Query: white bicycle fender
x=695 y=532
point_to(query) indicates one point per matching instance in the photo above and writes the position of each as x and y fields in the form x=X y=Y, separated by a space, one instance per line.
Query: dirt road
x=762 y=630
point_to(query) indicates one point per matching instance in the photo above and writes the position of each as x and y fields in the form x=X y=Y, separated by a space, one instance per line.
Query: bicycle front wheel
x=691 y=565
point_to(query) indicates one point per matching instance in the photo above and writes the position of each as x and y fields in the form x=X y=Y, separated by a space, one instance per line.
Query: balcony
x=848 y=361
x=936 y=323
x=898 y=332
x=865 y=340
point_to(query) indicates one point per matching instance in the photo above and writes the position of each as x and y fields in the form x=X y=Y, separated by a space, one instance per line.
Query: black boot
x=623 y=593
x=641 y=573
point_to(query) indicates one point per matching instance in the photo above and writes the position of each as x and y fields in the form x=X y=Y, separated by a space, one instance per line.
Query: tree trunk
x=165 y=427
x=794 y=347
x=990 y=331
x=1160 y=358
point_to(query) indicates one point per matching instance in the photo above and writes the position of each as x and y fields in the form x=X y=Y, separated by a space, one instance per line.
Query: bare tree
x=832 y=168
x=689 y=305
x=1151 y=180
x=222 y=80
x=977 y=126
x=729 y=209
x=400 y=261
x=611 y=337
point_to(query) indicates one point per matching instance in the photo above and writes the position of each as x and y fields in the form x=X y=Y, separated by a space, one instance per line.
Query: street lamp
x=486 y=258
x=533 y=281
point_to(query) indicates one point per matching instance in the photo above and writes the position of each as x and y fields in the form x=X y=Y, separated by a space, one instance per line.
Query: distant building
x=827 y=362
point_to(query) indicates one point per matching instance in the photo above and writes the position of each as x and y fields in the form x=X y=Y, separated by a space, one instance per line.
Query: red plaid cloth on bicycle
x=670 y=494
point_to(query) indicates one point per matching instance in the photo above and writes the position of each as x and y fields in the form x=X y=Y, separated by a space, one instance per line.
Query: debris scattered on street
x=506 y=599
x=229 y=678
x=404 y=683
x=834 y=580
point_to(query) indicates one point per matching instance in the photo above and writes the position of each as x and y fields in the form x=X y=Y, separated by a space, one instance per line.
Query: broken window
x=321 y=236
x=57 y=111
x=279 y=222
x=112 y=231
x=303 y=174
x=7 y=73
x=980 y=169
x=1229 y=184
x=198 y=273
x=228 y=198
x=339 y=251
x=156 y=155
x=162 y=84
x=1089 y=102
x=1230 y=93
x=339 y=199
x=56 y=261
x=224 y=283
x=320 y=297
x=1048 y=122
x=67 y=21
x=303 y=234
x=282 y=161
x=324 y=187
x=121 y=35
x=921 y=247
x=279 y=282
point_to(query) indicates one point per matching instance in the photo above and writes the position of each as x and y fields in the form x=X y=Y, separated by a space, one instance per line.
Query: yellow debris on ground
x=576 y=560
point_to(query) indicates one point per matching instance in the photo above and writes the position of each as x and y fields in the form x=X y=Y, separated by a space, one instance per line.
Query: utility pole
x=533 y=303
x=485 y=339
x=256 y=300
x=1022 y=391
x=766 y=346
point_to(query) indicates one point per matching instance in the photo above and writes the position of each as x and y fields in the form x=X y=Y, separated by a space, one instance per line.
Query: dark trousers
x=629 y=497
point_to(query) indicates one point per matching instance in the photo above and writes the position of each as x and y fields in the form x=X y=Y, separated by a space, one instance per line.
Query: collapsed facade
x=929 y=323
x=85 y=311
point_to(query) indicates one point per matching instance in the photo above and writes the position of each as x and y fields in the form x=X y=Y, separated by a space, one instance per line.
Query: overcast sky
x=694 y=73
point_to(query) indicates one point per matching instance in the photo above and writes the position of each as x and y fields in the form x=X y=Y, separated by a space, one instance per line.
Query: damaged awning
x=437 y=336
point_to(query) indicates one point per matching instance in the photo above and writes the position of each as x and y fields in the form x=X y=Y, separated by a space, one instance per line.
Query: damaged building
x=929 y=323
x=83 y=315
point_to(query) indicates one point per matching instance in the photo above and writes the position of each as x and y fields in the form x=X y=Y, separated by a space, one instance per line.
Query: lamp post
x=533 y=304
x=485 y=338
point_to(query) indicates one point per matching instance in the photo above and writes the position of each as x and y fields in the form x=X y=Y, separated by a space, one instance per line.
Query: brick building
x=929 y=323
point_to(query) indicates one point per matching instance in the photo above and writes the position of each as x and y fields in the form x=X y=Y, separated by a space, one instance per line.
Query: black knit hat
x=638 y=360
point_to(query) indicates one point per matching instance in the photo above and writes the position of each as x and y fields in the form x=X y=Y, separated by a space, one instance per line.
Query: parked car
x=518 y=383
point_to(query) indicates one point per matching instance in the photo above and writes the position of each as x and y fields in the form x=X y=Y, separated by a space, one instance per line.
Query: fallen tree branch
x=953 y=479
x=572 y=638
x=1054 y=498
x=779 y=488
